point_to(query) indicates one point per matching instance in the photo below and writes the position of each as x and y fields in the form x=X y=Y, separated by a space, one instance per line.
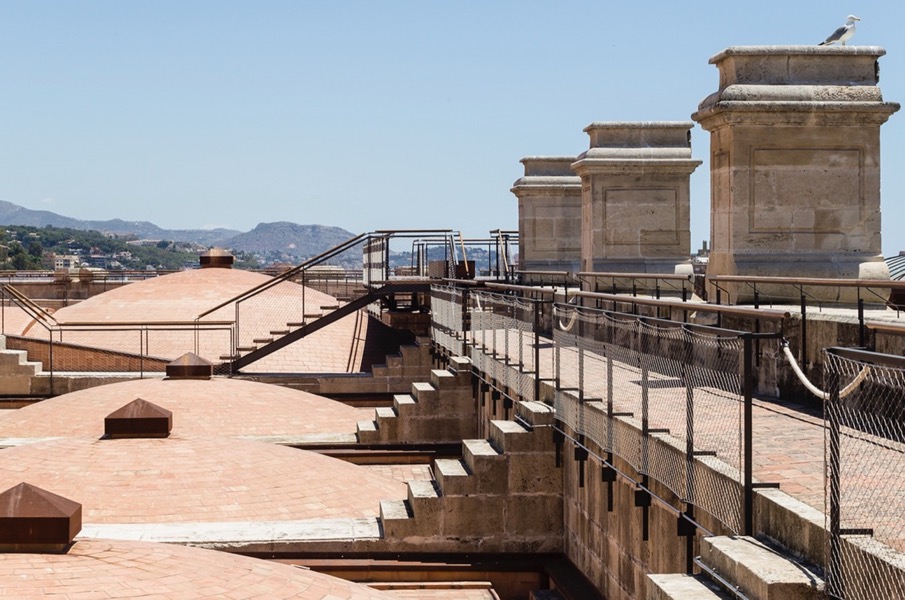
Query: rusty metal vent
x=190 y=366
x=138 y=419
x=217 y=258
x=35 y=520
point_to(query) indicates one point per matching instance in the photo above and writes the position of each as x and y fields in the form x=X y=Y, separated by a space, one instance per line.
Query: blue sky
x=367 y=114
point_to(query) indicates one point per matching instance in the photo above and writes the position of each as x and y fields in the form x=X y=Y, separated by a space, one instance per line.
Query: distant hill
x=273 y=242
x=13 y=214
x=288 y=238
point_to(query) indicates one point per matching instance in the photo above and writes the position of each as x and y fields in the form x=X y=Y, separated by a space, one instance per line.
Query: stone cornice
x=591 y=165
x=562 y=186
x=771 y=113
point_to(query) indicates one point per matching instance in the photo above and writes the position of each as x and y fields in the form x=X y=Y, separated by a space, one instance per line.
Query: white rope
x=865 y=371
x=571 y=320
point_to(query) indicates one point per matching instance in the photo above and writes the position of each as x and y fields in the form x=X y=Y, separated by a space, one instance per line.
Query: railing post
x=804 y=332
x=538 y=304
x=748 y=434
x=835 y=582
x=687 y=376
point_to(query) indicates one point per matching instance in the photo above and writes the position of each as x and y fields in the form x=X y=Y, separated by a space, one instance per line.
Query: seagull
x=842 y=34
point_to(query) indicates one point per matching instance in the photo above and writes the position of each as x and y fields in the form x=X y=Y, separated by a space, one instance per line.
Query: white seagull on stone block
x=842 y=34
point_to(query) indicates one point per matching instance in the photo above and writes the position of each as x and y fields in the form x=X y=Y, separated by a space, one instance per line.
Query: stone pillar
x=549 y=215
x=795 y=165
x=635 y=198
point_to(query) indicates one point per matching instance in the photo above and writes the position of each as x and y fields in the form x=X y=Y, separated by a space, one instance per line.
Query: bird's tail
x=822 y=44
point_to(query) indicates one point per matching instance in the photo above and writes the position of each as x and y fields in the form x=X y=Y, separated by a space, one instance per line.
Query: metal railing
x=688 y=388
x=139 y=348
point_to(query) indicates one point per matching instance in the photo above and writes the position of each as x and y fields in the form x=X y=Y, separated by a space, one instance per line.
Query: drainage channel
x=509 y=576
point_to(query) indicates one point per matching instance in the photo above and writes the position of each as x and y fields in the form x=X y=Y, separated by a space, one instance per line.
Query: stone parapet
x=635 y=197
x=795 y=165
x=549 y=208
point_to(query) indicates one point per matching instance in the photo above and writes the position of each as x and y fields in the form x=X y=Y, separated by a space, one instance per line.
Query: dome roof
x=177 y=480
x=121 y=569
x=181 y=297
x=217 y=406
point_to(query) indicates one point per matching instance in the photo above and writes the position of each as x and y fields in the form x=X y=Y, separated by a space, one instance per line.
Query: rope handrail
x=793 y=362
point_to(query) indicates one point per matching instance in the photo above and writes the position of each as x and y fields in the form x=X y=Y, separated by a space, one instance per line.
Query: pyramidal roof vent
x=35 y=520
x=138 y=419
x=190 y=366
x=216 y=258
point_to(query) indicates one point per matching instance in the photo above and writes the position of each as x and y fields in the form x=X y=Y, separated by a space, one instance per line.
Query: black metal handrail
x=326 y=255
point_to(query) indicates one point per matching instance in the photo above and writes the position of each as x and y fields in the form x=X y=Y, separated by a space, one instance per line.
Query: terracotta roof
x=218 y=406
x=123 y=569
x=177 y=480
x=184 y=295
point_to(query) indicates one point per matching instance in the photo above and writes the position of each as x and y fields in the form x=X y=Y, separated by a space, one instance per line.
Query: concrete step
x=423 y=391
x=246 y=348
x=424 y=501
x=443 y=379
x=459 y=364
x=678 y=586
x=386 y=419
x=760 y=572
x=13 y=358
x=510 y=436
x=453 y=477
x=404 y=404
x=487 y=464
x=279 y=332
x=366 y=432
x=397 y=518
x=263 y=340
x=414 y=355
x=16 y=363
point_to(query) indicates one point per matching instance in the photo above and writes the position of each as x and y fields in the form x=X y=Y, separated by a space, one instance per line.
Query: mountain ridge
x=281 y=240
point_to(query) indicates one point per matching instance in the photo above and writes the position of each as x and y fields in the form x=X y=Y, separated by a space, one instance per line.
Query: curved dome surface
x=125 y=569
x=176 y=480
x=181 y=297
x=218 y=406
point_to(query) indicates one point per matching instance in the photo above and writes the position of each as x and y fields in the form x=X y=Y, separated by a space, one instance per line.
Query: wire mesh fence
x=505 y=339
x=677 y=392
x=448 y=327
x=865 y=456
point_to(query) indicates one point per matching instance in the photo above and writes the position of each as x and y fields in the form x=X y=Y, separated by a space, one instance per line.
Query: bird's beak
x=857 y=18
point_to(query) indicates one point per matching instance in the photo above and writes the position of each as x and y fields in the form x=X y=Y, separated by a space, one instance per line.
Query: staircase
x=503 y=495
x=18 y=375
x=441 y=410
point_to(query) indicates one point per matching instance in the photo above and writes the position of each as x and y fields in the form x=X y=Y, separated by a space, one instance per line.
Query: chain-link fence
x=505 y=341
x=448 y=327
x=865 y=456
x=666 y=397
